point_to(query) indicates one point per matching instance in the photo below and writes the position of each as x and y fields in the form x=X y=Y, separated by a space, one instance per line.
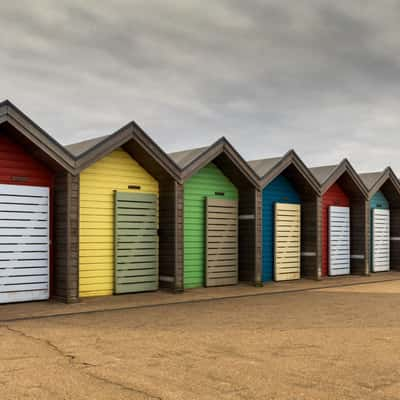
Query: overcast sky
x=322 y=77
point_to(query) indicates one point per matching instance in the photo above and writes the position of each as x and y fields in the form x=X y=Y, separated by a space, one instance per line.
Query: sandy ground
x=320 y=344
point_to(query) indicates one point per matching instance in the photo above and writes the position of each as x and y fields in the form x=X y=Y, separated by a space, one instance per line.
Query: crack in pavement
x=74 y=362
x=122 y=386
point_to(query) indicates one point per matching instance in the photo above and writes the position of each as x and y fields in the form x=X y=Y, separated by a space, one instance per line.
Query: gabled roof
x=185 y=157
x=81 y=147
x=374 y=180
x=269 y=168
x=10 y=114
x=328 y=175
x=191 y=161
x=89 y=151
x=323 y=173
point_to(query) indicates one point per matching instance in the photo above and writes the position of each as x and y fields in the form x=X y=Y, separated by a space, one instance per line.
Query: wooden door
x=136 y=242
x=287 y=241
x=221 y=242
x=380 y=240
x=339 y=240
x=24 y=243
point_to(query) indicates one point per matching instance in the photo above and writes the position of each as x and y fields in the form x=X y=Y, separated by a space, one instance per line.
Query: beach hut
x=221 y=211
x=384 y=202
x=35 y=245
x=126 y=192
x=290 y=198
x=344 y=217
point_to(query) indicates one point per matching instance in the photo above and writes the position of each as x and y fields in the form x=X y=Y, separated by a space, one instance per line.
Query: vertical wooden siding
x=279 y=190
x=334 y=196
x=66 y=237
x=116 y=171
x=395 y=238
x=250 y=248
x=309 y=238
x=203 y=184
x=359 y=234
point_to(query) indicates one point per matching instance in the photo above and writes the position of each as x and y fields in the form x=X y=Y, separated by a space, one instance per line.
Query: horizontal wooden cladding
x=17 y=165
x=116 y=171
x=221 y=242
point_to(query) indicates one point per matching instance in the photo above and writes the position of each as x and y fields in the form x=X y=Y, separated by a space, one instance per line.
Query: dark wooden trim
x=343 y=167
x=318 y=274
x=258 y=238
x=37 y=136
x=66 y=238
x=290 y=158
x=221 y=146
x=179 y=238
x=387 y=174
x=129 y=132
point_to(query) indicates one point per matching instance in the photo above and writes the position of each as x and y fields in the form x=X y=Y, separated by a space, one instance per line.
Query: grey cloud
x=318 y=76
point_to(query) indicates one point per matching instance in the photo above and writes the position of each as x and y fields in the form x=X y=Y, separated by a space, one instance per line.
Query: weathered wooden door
x=24 y=243
x=339 y=240
x=380 y=240
x=221 y=242
x=136 y=242
x=287 y=241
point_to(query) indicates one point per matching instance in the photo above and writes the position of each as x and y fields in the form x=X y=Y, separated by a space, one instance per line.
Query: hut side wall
x=205 y=183
x=279 y=190
x=116 y=171
x=334 y=196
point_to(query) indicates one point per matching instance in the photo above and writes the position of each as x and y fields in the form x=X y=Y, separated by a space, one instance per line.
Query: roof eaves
x=20 y=121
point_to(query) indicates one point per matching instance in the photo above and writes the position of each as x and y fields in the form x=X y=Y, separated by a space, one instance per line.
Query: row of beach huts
x=116 y=214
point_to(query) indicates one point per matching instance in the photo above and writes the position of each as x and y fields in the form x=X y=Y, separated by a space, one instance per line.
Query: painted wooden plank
x=23 y=240
x=339 y=240
x=38 y=208
x=22 y=190
x=22 y=271
x=23 y=224
x=19 y=296
x=16 y=264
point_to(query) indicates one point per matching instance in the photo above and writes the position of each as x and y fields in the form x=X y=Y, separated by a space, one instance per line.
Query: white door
x=380 y=240
x=339 y=240
x=24 y=243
